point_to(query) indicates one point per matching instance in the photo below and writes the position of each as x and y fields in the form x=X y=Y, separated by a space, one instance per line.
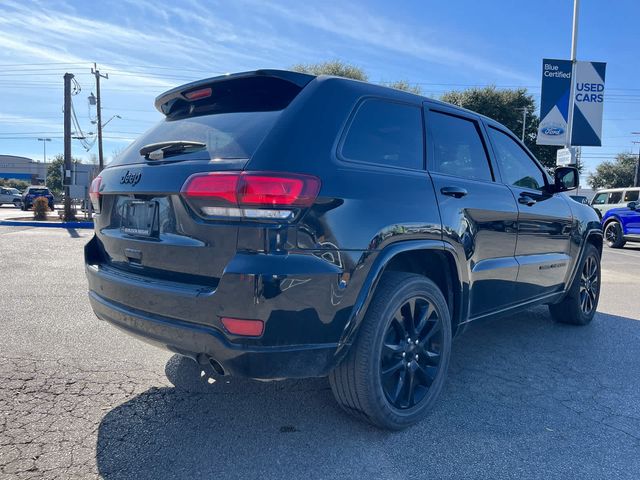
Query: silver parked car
x=10 y=196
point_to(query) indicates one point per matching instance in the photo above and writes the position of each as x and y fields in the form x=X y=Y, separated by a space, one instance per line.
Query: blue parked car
x=31 y=193
x=622 y=225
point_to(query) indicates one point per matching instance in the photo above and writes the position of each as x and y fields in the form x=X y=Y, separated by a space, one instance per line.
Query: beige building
x=22 y=168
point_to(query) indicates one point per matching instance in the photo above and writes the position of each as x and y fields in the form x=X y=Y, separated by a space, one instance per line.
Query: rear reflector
x=250 y=195
x=94 y=193
x=246 y=328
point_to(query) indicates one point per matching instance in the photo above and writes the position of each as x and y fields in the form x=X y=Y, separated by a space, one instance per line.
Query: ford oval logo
x=130 y=178
x=553 y=131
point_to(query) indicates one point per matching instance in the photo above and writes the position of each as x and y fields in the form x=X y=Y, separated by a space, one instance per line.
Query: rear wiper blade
x=160 y=150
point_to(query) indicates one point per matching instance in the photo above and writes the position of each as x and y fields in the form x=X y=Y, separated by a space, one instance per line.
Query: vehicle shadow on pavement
x=524 y=397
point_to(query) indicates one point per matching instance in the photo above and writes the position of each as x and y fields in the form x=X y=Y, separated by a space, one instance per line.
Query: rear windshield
x=39 y=191
x=232 y=120
x=227 y=135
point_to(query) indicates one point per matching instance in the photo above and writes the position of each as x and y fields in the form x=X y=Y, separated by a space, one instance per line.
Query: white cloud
x=364 y=27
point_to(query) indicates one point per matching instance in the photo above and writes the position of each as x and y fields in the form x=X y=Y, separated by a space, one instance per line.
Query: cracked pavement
x=525 y=398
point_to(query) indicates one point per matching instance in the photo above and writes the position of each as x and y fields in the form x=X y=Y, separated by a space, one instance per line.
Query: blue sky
x=148 y=46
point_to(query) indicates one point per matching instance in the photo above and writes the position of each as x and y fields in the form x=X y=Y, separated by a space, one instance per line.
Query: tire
x=580 y=304
x=17 y=204
x=377 y=368
x=613 y=234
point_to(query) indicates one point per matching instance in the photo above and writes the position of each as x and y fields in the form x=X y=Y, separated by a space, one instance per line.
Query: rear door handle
x=526 y=200
x=456 y=192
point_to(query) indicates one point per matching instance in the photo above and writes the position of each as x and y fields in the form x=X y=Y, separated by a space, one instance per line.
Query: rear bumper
x=197 y=341
x=296 y=296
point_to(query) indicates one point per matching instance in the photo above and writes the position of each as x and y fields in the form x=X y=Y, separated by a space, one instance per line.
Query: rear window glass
x=39 y=191
x=385 y=133
x=631 y=196
x=232 y=120
x=227 y=135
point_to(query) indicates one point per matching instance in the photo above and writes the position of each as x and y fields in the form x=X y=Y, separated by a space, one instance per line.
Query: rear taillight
x=94 y=193
x=250 y=195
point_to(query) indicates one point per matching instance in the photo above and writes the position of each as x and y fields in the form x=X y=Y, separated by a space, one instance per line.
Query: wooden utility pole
x=66 y=177
x=98 y=75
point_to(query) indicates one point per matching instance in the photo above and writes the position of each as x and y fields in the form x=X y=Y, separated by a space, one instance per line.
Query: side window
x=517 y=168
x=615 y=197
x=385 y=133
x=631 y=195
x=457 y=147
x=600 y=199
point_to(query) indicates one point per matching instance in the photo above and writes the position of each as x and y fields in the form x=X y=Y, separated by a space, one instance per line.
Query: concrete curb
x=19 y=223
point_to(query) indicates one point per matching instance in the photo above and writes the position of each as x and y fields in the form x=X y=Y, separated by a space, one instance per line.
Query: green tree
x=333 y=67
x=506 y=107
x=347 y=70
x=14 y=183
x=618 y=173
x=405 y=86
x=54 y=173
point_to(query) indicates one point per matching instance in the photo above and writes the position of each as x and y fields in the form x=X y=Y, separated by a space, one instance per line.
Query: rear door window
x=615 y=197
x=457 y=147
x=631 y=196
x=385 y=133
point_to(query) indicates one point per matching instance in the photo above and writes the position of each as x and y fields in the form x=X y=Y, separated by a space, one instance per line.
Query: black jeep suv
x=277 y=224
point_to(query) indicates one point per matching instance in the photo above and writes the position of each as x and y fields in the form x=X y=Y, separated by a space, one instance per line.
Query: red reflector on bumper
x=247 y=328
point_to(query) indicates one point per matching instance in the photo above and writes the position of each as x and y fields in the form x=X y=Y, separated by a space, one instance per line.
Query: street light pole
x=636 y=177
x=574 y=51
x=44 y=156
x=98 y=76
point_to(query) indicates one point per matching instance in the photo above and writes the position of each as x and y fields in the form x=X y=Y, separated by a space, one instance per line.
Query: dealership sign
x=588 y=102
x=566 y=156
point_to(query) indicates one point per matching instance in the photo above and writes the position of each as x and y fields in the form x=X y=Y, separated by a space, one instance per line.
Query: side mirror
x=566 y=178
x=633 y=205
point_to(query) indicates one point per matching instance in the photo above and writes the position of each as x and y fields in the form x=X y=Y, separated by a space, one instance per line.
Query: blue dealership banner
x=554 y=102
x=587 y=108
x=588 y=104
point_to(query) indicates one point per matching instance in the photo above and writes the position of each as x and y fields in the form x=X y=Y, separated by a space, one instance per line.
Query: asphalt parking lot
x=525 y=398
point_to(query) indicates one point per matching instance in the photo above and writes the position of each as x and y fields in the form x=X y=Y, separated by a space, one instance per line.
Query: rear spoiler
x=164 y=101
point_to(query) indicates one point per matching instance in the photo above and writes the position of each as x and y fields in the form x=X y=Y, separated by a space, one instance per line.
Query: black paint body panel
x=311 y=280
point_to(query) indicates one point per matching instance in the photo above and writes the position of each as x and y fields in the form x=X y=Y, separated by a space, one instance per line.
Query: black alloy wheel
x=395 y=370
x=579 y=305
x=589 y=285
x=411 y=353
x=613 y=235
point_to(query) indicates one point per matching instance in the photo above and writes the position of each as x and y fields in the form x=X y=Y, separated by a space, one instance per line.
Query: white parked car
x=11 y=196
x=605 y=200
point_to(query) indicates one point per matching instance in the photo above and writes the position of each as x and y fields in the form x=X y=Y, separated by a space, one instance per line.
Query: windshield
x=39 y=191
x=226 y=135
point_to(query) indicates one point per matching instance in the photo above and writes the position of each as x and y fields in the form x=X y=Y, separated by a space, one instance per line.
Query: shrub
x=14 y=183
x=40 y=207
